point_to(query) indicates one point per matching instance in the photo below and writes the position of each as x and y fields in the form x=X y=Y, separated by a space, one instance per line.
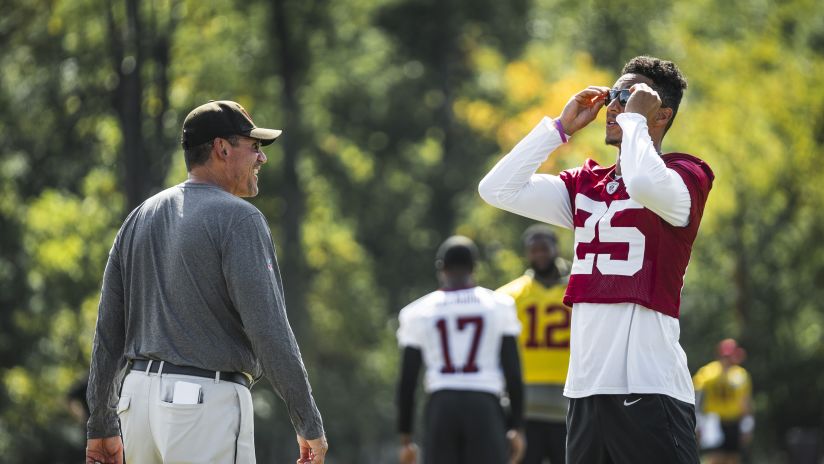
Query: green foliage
x=64 y=237
x=762 y=106
x=394 y=110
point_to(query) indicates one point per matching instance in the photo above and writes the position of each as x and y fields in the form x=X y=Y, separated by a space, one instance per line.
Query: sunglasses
x=621 y=95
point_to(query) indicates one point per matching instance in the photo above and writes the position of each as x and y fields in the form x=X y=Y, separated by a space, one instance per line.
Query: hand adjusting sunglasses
x=621 y=95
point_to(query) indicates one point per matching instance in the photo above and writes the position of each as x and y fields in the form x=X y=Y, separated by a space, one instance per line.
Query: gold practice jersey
x=723 y=393
x=544 y=339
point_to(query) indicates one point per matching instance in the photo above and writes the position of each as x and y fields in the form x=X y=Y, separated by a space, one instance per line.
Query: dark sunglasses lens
x=623 y=98
x=621 y=95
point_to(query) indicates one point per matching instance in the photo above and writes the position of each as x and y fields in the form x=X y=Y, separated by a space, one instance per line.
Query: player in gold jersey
x=724 y=394
x=544 y=344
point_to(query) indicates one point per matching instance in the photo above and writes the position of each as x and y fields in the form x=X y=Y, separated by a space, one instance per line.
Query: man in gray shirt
x=192 y=312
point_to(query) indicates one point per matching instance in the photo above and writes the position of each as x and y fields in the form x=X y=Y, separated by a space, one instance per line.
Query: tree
x=59 y=147
x=139 y=45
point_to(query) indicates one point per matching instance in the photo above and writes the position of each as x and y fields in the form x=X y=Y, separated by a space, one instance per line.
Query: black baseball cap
x=457 y=252
x=222 y=118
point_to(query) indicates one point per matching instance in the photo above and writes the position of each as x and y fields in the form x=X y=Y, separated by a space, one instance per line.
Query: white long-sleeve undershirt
x=646 y=178
x=513 y=184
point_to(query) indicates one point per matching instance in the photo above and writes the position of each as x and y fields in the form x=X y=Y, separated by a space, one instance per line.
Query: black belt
x=169 y=368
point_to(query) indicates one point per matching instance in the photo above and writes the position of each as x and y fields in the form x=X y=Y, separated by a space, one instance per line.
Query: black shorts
x=545 y=440
x=464 y=427
x=631 y=429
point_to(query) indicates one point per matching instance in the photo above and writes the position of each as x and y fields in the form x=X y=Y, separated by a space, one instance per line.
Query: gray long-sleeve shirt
x=192 y=279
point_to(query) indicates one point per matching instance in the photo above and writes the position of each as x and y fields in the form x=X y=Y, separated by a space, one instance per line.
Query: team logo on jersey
x=612 y=187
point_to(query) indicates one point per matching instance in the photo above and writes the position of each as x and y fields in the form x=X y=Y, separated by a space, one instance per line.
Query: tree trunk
x=163 y=145
x=293 y=263
x=444 y=190
x=145 y=157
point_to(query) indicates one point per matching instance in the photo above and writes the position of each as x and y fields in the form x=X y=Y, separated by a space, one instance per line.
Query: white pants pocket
x=197 y=433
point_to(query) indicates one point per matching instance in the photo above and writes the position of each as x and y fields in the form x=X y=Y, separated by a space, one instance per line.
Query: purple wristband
x=560 y=129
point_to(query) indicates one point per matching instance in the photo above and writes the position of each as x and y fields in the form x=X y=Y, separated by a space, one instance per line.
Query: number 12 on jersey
x=475 y=323
x=556 y=321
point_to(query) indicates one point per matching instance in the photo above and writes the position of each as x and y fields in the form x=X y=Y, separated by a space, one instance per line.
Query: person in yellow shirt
x=724 y=403
x=543 y=344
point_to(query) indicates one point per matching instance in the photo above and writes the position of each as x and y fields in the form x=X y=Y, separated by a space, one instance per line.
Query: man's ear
x=663 y=116
x=220 y=147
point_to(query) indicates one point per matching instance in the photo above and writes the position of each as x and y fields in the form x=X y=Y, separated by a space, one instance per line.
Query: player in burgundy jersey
x=631 y=395
x=465 y=337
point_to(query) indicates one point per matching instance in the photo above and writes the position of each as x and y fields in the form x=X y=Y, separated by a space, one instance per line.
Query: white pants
x=220 y=429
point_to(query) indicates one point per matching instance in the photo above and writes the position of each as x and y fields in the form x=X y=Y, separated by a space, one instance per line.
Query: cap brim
x=266 y=136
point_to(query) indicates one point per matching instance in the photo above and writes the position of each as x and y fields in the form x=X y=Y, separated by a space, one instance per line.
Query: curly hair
x=666 y=79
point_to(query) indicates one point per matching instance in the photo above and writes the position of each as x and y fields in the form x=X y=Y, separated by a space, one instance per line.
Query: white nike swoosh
x=632 y=402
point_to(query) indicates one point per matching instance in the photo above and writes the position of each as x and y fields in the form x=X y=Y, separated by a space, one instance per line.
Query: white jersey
x=459 y=334
x=616 y=348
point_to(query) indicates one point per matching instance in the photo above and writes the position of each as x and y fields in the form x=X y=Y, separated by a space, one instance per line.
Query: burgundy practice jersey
x=625 y=253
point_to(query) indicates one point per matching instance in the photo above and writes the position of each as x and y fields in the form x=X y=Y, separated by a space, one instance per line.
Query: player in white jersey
x=631 y=395
x=465 y=336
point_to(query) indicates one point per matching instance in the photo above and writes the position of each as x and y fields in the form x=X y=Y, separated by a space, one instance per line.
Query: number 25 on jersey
x=596 y=253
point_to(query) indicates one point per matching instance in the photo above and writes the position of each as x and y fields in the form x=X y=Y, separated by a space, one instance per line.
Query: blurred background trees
x=393 y=110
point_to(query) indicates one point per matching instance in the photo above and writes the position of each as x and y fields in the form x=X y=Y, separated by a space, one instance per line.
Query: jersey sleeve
x=698 y=177
x=698 y=381
x=700 y=378
x=510 y=323
x=409 y=333
x=570 y=179
x=512 y=289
